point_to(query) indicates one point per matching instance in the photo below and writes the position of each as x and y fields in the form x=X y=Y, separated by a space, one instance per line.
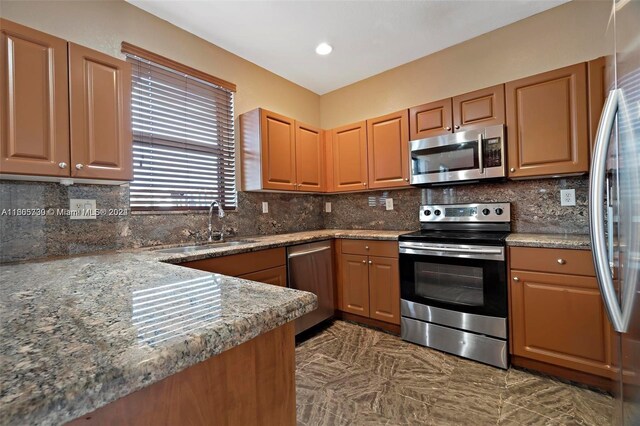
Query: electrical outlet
x=327 y=207
x=82 y=209
x=265 y=207
x=567 y=197
x=389 y=203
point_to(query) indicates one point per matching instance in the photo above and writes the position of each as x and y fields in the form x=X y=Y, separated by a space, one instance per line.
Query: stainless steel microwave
x=464 y=156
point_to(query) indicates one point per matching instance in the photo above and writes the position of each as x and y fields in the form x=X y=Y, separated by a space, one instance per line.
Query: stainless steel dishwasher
x=310 y=268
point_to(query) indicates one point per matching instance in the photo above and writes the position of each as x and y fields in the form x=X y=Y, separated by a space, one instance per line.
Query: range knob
x=437 y=212
x=499 y=211
x=486 y=212
x=427 y=212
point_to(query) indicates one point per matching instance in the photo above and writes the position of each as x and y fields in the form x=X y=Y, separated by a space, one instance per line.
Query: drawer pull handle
x=562 y=261
x=516 y=279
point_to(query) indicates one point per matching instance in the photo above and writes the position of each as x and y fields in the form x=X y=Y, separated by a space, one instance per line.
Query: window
x=183 y=136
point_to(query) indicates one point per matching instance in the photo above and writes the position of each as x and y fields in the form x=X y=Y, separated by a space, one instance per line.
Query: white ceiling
x=368 y=37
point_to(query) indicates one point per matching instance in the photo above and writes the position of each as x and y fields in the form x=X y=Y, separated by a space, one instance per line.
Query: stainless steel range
x=453 y=281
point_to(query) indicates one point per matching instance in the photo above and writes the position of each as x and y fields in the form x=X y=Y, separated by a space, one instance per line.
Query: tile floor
x=352 y=375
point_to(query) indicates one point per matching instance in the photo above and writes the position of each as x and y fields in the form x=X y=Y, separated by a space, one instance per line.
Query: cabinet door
x=349 y=145
x=34 y=111
x=547 y=123
x=354 y=284
x=100 y=114
x=560 y=320
x=384 y=289
x=278 y=151
x=388 y=150
x=432 y=119
x=481 y=108
x=598 y=92
x=274 y=276
x=309 y=158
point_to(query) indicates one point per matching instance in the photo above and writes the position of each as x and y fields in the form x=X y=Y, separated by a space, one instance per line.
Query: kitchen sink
x=204 y=246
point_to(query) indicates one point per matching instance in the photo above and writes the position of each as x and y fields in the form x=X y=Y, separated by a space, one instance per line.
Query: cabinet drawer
x=275 y=276
x=241 y=264
x=560 y=261
x=370 y=248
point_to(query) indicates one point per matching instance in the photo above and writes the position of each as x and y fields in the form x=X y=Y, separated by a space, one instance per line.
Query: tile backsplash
x=535 y=208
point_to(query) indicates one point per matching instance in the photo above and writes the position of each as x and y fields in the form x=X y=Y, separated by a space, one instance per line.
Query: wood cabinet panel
x=309 y=158
x=477 y=109
x=388 y=150
x=354 y=284
x=34 y=104
x=384 y=289
x=560 y=319
x=598 y=91
x=276 y=276
x=349 y=149
x=432 y=119
x=100 y=115
x=251 y=384
x=547 y=123
x=278 y=151
x=241 y=264
x=370 y=247
x=559 y=261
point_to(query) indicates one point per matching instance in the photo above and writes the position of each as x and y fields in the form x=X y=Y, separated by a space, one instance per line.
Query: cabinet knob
x=364 y=261
x=364 y=183
x=79 y=166
x=62 y=165
x=447 y=128
x=562 y=261
x=512 y=169
x=406 y=179
x=516 y=279
x=366 y=247
x=370 y=262
x=457 y=127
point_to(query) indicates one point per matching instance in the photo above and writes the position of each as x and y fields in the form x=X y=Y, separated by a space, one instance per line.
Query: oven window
x=456 y=284
x=450 y=158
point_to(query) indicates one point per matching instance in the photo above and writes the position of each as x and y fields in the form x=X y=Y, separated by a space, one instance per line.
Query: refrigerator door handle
x=619 y=316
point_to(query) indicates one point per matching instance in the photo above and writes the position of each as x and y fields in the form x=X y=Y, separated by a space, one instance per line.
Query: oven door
x=462 y=278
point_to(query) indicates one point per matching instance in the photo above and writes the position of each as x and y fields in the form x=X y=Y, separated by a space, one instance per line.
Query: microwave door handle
x=480 y=159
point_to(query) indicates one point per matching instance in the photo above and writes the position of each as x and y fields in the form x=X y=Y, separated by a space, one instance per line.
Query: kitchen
x=445 y=213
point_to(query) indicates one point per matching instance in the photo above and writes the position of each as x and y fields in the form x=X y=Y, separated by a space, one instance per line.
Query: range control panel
x=480 y=212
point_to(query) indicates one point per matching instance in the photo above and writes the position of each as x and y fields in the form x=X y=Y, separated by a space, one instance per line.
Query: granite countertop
x=566 y=241
x=80 y=332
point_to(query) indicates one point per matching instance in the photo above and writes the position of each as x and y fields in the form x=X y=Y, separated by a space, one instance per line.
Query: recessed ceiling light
x=324 y=49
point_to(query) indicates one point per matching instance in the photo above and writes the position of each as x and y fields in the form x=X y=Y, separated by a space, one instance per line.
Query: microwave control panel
x=492 y=152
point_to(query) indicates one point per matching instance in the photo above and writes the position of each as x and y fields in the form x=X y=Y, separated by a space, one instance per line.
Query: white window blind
x=183 y=140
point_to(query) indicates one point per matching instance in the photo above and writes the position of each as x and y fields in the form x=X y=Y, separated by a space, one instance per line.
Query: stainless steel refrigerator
x=614 y=203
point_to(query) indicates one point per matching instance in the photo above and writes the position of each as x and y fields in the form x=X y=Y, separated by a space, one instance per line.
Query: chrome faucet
x=220 y=215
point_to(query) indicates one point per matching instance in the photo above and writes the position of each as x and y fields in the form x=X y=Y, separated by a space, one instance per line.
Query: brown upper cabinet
x=388 y=150
x=100 y=115
x=547 y=123
x=34 y=102
x=598 y=91
x=349 y=154
x=481 y=108
x=279 y=153
x=66 y=108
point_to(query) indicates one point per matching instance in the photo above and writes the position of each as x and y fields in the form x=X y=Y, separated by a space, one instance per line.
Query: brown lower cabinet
x=251 y=384
x=265 y=266
x=557 y=314
x=369 y=286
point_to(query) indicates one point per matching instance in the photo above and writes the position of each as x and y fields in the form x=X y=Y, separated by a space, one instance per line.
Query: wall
x=535 y=205
x=103 y=25
x=565 y=35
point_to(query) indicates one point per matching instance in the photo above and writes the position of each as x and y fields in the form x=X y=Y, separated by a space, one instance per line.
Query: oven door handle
x=460 y=250
x=480 y=153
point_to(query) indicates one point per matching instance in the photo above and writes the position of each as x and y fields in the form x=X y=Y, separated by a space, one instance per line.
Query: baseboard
x=369 y=322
